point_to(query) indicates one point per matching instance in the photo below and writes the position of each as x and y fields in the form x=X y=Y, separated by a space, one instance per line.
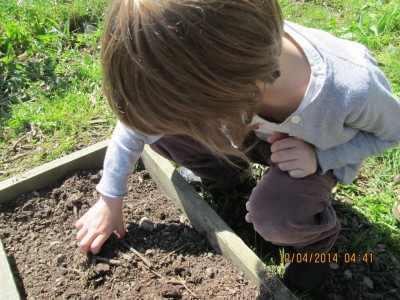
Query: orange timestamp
x=322 y=257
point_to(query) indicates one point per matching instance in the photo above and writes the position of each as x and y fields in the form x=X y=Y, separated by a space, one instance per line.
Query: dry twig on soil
x=183 y=283
x=133 y=250
x=176 y=250
x=14 y=147
x=108 y=261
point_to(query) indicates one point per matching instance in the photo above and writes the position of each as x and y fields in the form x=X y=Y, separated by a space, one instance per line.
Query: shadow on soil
x=17 y=276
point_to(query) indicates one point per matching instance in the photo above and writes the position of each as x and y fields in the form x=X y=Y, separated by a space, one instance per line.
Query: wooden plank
x=89 y=158
x=219 y=234
x=8 y=290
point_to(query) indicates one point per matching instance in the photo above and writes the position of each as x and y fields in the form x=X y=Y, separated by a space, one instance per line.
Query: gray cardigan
x=354 y=116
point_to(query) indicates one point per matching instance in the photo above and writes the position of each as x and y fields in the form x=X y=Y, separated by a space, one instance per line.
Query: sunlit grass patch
x=51 y=99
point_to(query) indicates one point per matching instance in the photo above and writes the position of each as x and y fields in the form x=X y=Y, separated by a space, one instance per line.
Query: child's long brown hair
x=190 y=66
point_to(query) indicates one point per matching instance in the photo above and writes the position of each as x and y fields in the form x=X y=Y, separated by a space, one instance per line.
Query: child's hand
x=293 y=155
x=99 y=222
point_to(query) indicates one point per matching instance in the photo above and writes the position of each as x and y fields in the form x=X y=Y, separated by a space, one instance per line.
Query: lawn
x=51 y=100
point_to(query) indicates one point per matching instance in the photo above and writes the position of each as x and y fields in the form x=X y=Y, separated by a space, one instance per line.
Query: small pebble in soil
x=149 y=252
x=210 y=273
x=347 y=274
x=381 y=248
x=127 y=256
x=101 y=268
x=180 y=257
x=182 y=219
x=333 y=266
x=95 y=177
x=146 y=224
x=368 y=282
x=60 y=258
x=171 y=292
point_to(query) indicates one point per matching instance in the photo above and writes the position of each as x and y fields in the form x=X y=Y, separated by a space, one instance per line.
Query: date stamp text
x=321 y=257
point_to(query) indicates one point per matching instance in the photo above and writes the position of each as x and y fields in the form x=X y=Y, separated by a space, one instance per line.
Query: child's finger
x=276 y=137
x=87 y=241
x=298 y=173
x=283 y=144
x=79 y=223
x=290 y=165
x=81 y=233
x=248 y=218
x=120 y=231
x=286 y=155
x=98 y=242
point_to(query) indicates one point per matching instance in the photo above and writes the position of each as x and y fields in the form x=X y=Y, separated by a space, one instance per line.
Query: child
x=214 y=85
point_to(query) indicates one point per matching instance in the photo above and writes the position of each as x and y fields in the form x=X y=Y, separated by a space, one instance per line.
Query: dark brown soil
x=39 y=236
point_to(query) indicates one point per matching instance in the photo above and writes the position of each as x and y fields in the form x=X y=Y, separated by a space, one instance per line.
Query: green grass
x=374 y=23
x=50 y=81
x=51 y=100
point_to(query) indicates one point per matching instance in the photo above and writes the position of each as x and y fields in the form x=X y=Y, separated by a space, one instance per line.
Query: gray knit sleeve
x=122 y=154
x=377 y=122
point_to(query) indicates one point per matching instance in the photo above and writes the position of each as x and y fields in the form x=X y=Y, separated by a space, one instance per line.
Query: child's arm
x=105 y=217
x=379 y=129
x=122 y=154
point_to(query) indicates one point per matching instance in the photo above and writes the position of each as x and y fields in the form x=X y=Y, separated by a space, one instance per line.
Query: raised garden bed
x=37 y=229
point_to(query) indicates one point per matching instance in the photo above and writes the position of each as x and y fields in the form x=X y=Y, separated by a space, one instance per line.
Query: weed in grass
x=379 y=18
